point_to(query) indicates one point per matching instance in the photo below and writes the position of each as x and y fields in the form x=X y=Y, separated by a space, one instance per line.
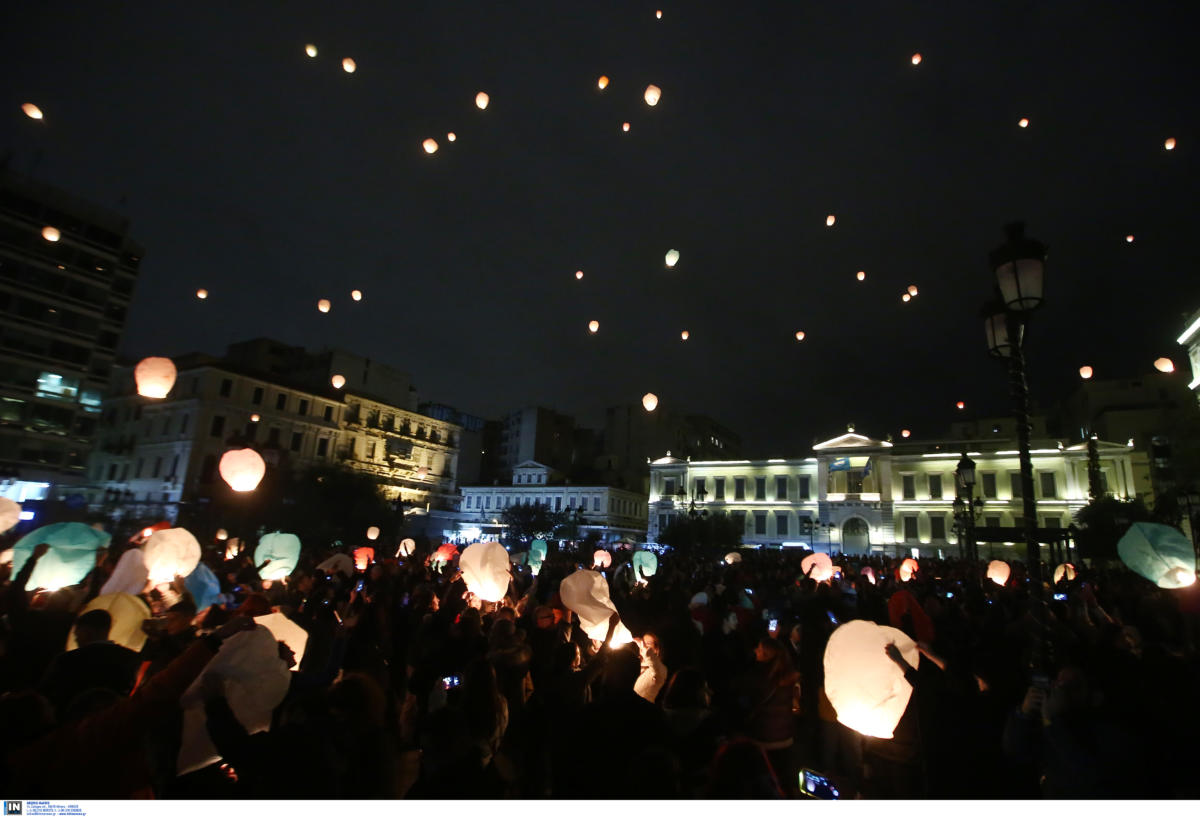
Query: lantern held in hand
x=204 y=586
x=242 y=469
x=585 y=593
x=406 y=548
x=485 y=567
x=820 y=565
x=908 y=568
x=733 y=558
x=128 y=612
x=1159 y=553
x=71 y=556
x=866 y=688
x=998 y=571
x=337 y=563
x=287 y=631
x=645 y=565
x=868 y=574
x=154 y=376
x=1065 y=571
x=283 y=549
x=130 y=575
x=602 y=559
x=170 y=553
x=363 y=557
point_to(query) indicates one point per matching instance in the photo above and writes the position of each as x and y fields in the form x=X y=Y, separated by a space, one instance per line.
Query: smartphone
x=749 y=592
x=1060 y=596
x=832 y=618
x=949 y=595
x=773 y=625
x=450 y=682
x=358 y=587
x=817 y=786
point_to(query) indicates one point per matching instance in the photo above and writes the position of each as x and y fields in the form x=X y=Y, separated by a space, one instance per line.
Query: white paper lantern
x=337 y=381
x=1159 y=553
x=672 y=257
x=233 y=547
x=908 y=568
x=242 y=469
x=830 y=220
x=406 y=548
x=287 y=631
x=1165 y=365
x=578 y=275
x=451 y=137
x=170 y=553
x=349 y=65
x=202 y=294
x=283 y=549
x=593 y=326
x=866 y=687
x=821 y=566
x=32 y=111
x=906 y=433
x=650 y=401
x=916 y=59
x=800 y=336
x=1170 y=143
x=652 y=95
x=373 y=533
x=733 y=558
x=861 y=275
x=645 y=565
x=129 y=576
x=1066 y=571
x=485 y=567
x=998 y=571
x=481 y=100
x=337 y=563
x=625 y=127
x=356 y=294
x=585 y=593
x=310 y=50
x=423 y=472
x=1085 y=372
x=128 y=612
x=10 y=514
x=324 y=305
x=154 y=377
x=51 y=234
x=1023 y=122
x=602 y=559
x=684 y=335
x=430 y=146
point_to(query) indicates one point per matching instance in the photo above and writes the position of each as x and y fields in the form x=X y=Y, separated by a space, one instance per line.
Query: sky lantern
x=906 y=433
x=34 y=112
x=912 y=290
x=593 y=326
x=283 y=549
x=1165 y=365
x=10 y=514
x=645 y=565
x=222 y=534
x=733 y=558
x=154 y=377
x=130 y=574
x=51 y=234
x=482 y=100
x=625 y=127
x=906 y=297
x=908 y=568
x=444 y=554
x=866 y=687
x=337 y=381
x=916 y=59
x=406 y=548
x=170 y=553
x=868 y=573
x=324 y=305
x=1023 y=123
x=1085 y=372
x=430 y=146
x=585 y=593
x=1170 y=143
x=998 y=571
x=578 y=275
x=1159 y=553
x=349 y=66
x=363 y=557
x=960 y=405
x=204 y=586
x=451 y=136
x=602 y=559
x=289 y=632
x=602 y=83
x=254 y=418
x=310 y=50
x=684 y=334
x=800 y=336
x=202 y=294
x=820 y=565
x=242 y=469
x=127 y=611
x=1129 y=238
x=672 y=258
x=862 y=276
x=652 y=95
x=658 y=14
x=485 y=567
x=1066 y=571
x=71 y=556
x=650 y=401
x=830 y=219
x=337 y=563
x=356 y=294
x=372 y=533
x=233 y=547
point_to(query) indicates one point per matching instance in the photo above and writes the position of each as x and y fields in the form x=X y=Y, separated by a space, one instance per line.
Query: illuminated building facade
x=1190 y=339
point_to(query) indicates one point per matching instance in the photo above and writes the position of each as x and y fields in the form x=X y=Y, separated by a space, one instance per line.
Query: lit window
x=56 y=386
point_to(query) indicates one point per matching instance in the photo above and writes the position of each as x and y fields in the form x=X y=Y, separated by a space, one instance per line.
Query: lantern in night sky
x=862 y=276
x=34 y=112
x=625 y=127
x=821 y=566
x=684 y=334
x=154 y=377
x=323 y=305
x=349 y=66
x=406 y=548
x=830 y=220
x=337 y=381
x=602 y=83
x=658 y=14
x=1065 y=571
x=908 y=568
x=672 y=258
x=652 y=95
x=1170 y=143
x=128 y=612
x=1024 y=123
x=356 y=294
x=283 y=549
x=906 y=297
x=800 y=336
x=912 y=290
x=242 y=469
x=51 y=233
x=1165 y=365
x=310 y=50
x=733 y=558
x=578 y=275
x=998 y=571
x=1085 y=372
x=1129 y=238
x=1159 y=553
x=650 y=401
x=485 y=567
x=430 y=146
x=451 y=137
x=867 y=688
x=916 y=59
x=222 y=534
x=585 y=593
x=254 y=418
x=372 y=533
x=593 y=326
x=170 y=553
x=363 y=557
x=960 y=405
x=905 y=433
x=602 y=559
x=481 y=100
x=202 y=294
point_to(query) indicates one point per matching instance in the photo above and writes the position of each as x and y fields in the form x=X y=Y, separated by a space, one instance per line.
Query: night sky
x=273 y=180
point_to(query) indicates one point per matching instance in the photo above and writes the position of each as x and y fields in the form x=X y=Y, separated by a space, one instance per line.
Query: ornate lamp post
x=965 y=505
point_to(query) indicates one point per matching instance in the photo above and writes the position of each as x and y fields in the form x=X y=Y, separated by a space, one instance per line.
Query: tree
x=330 y=502
x=702 y=532
x=525 y=522
x=1102 y=522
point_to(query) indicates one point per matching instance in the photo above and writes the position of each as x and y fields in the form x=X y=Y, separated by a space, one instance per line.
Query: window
x=805 y=491
x=303 y=410
x=781 y=489
x=1014 y=484
x=595 y=503
x=329 y=412
x=989 y=486
x=112 y=471
x=739 y=489
x=760 y=523
x=166 y=429
x=174 y=468
x=206 y=471
x=218 y=426
x=669 y=486
x=322 y=446
x=698 y=489
x=371 y=451
x=935 y=486
x=137 y=472
x=991 y=521
x=281 y=401
x=257 y=397
x=157 y=468
x=1052 y=523
x=719 y=488
x=781 y=524
x=663 y=521
x=910 y=486
x=226 y=387
x=1049 y=489
x=572 y=504
x=125 y=473
x=739 y=519
x=558 y=503
x=760 y=488
x=937 y=526
x=297 y=440
x=910 y=529
x=183 y=423
x=273 y=437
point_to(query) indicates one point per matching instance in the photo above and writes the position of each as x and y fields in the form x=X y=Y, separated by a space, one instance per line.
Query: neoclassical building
x=860 y=495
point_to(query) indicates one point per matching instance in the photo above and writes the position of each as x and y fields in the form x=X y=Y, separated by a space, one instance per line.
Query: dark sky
x=274 y=180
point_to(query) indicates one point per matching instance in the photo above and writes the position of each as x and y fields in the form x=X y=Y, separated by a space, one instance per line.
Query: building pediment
x=669 y=461
x=850 y=440
x=1102 y=447
x=531 y=464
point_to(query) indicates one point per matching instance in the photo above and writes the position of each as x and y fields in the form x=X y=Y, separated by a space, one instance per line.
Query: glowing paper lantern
x=71 y=556
x=287 y=631
x=242 y=469
x=916 y=59
x=537 y=552
x=862 y=276
x=406 y=548
x=578 y=275
x=202 y=294
x=1066 y=571
x=652 y=95
x=1085 y=372
x=233 y=547
x=1165 y=365
x=444 y=554
x=129 y=576
x=868 y=573
x=906 y=297
x=283 y=549
x=960 y=405
x=51 y=233
x=323 y=305
x=485 y=567
x=602 y=559
x=337 y=563
x=866 y=687
x=451 y=137
x=430 y=146
x=672 y=257
x=349 y=66
x=154 y=376
x=829 y=220
x=593 y=326
x=222 y=534
x=650 y=401
x=905 y=433
x=1024 y=123
x=602 y=82
x=912 y=290
x=645 y=565
x=1170 y=143
x=585 y=593
x=684 y=334
x=1129 y=239
x=733 y=558
x=998 y=571
x=625 y=127
x=363 y=557
x=908 y=568
x=337 y=381
x=204 y=586
x=821 y=566
x=127 y=611
x=31 y=110
x=481 y=100
x=356 y=294
x=10 y=514
x=310 y=50
x=800 y=336
x=658 y=14
x=1159 y=553
x=170 y=553
x=373 y=533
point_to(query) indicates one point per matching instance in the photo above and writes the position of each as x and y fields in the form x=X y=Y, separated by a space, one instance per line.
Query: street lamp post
x=964 y=506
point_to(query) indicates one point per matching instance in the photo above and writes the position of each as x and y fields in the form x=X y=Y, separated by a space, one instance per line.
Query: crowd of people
x=409 y=686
